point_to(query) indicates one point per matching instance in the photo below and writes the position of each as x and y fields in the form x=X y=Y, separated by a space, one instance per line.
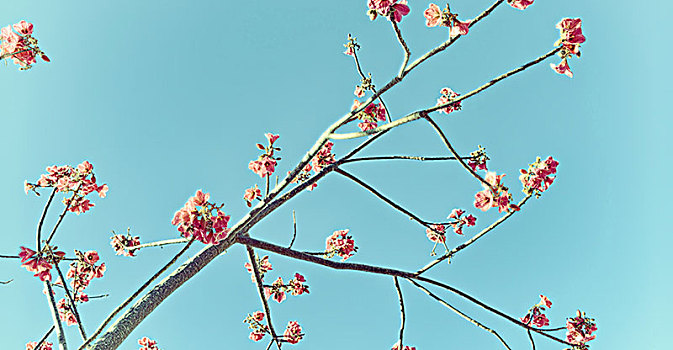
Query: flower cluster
x=251 y=194
x=537 y=178
x=535 y=315
x=65 y=312
x=41 y=263
x=392 y=9
x=263 y=265
x=467 y=220
x=81 y=181
x=520 y=4
x=147 y=344
x=323 y=158
x=478 y=159
x=294 y=286
x=293 y=333
x=436 y=233
x=265 y=165
x=580 y=329
x=436 y=17
x=370 y=115
x=45 y=346
x=351 y=46
x=196 y=219
x=20 y=45
x=259 y=330
x=448 y=95
x=494 y=195
x=84 y=270
x=121 y=243
x=571 y=38
x=341 y=244
x=396 y=346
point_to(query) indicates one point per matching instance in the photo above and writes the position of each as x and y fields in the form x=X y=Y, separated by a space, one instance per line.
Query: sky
x=165 y=98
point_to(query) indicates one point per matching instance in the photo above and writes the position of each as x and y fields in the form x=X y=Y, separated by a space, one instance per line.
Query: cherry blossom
x=41 y=263
x=251 y=194
x=461 y=221
x=79 y=181
x=65 y=312
x=520 y=4
x=436 y=233
x=341 y=244
x=537 y=178
x=265 y=164
x=448 y=95
x=277 y=290
x=84 y=270
x=579 y=330
x=444 y=18
x=121 y=243
x=494 y=195
x=45 y=346
x=263 y=265
x=392 y=9
x=196 y=219
x=259 y=330
x=297 y=286
x=535 y=315
x=147 y=344
x=22 y=48
x=396 y=346
x=570 y=40
x=370 y=115
x=293 y=333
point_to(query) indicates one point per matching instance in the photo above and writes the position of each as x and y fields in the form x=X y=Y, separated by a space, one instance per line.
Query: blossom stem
x=530 y=336
x=249 y=241
x=407 y=54
x=294 y=227
x=260 y=289
x=41 y=222
x=71 y=300
x=107 y=320
x=460 y=313
x=62 y=344
x=158 y=243
x=402 y=314
x=473 y=239
x=362 y=75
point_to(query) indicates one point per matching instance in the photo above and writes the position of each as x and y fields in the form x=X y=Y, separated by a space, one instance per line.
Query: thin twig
x=158 y=243
x=10 y=54
x=384 y=271
x=530 y=336
x=418 y=158
x=371 y=85
x=460 y=313
x=483 y=232
x=62 y=345
x=44 y=338
x=407 y=54
x=71 y=300
x=41 y=222
x=65 y=210
x=7 y=282
x=294 y=226
x=402 y=314
x=134 y=295
x=99 y=296
x=388 y=201
x=260 y=290
x=420 y=114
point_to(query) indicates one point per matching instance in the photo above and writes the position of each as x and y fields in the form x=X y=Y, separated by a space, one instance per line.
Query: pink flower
x=256 y=335
x=147 y=344
x=456 y=213
x=359 y=91
x=484 y=200
x=459 y=28
x=399 y=10
x=120 y=243
x=297 y=286
x=580 y=329
x=396 y=346
x=448 y=95
x=562 y=68
x=23 y=28
x=436 y=234
x=388 y=8
x=537 y=178
x=264 y=266
x=251 y=194
x=45 y=346
x=293 y=333
x=433 y=16
x=544 y=301
x=258 y=316
x=276 y=290
x=264 y=166
x=196 y=219
x=341 y=244
x=520 y=4
x=271 y=137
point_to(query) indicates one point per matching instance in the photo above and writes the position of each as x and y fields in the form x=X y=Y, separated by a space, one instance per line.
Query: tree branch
x=260 y=289
x=62 y=345
x=71 y=300
x=407 y=53
x=402 y=314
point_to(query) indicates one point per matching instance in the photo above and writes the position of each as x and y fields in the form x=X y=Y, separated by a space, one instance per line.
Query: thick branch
x=72 y=302
x=62 y=345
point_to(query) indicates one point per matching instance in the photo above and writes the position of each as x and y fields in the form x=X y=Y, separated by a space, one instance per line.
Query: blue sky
x=165 y=98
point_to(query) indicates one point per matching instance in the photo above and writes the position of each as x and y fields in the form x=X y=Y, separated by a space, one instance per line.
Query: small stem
x=62 y=345
x=407 y=54
x=65 y=210
x=402 y=314
x=460 y=313
x=530 y=336
x=294 y=226
x=7 y=282
x=260 y=289
x=158 y=243
x=71 y=300
x=41 y=222
x=418 y=158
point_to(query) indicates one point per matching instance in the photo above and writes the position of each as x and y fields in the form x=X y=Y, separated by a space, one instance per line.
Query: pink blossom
x=484 y=200
x=562 y=68
x=121 y=243
x=341 y=244
x=537 y=178
x=276 y=290
x=396 y=346
x=263 y=265
x=448 y=95
x=436 y=233
x=23 y=28
x=45 y=346
x=256 y=335
x=258 y=316
x=251 y=194
x=271 y=138
x=196 y=219
x=359 y=91
x=388 y=8
x=520 y=4
x=580 y=329
x=399 y=10
x=65 y=312
x=456 y=213
x=147 y=344
x=293 y=333
x=459 y=28
x=544 y=301
x=264 y=166
x=297 y=286
x=433 y=16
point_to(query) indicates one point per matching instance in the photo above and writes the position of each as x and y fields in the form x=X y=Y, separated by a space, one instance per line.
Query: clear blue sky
x=165 y=98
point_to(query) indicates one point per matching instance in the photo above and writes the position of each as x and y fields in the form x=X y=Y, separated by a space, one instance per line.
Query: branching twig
x=461 y=314
x=71 y=300
x=260 y=290
x=41 y=222
x=418 y=158
x=134 y=295
x=158 y=243
x=402 y=314
x=473 y=239
x=62 y=345
x=407 y=54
